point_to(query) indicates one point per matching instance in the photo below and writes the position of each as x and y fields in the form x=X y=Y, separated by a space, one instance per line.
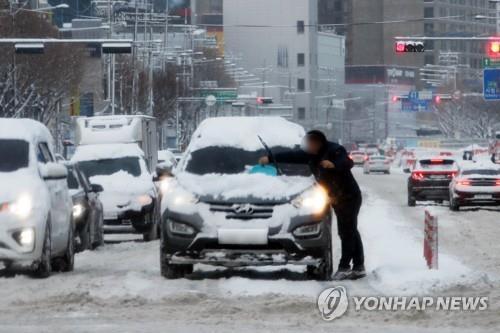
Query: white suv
x=36 y=231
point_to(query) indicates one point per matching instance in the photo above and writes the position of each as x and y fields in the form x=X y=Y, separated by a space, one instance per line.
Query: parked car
x=358 y=157
x=430 y=180
x=223 y=209
x=36 y=230
x=87 y=210
x=377 y=163
x=475 y=185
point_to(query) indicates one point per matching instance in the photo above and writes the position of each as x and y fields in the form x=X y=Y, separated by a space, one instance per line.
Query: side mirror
x=96 y=188
x=53 y=171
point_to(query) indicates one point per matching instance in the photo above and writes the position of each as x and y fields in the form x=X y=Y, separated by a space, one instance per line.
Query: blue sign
x=419 y=105
x=491 y=85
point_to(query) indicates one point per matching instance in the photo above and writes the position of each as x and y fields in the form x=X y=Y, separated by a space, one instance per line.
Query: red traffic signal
x=493 y=49
x=409 y=47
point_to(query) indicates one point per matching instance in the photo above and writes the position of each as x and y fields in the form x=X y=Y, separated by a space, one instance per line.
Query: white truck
x=120 y=154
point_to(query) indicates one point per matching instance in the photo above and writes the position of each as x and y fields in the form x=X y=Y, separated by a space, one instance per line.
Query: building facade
x=278 y=40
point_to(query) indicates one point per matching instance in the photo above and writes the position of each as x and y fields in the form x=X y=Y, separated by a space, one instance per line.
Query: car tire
x=411 y=201
x=85 y=237
x=66 y=263
x=454 y=206
x=173 y=271
x=324 y=271
x=99 y=241
x=152 y=233
x=44 y=268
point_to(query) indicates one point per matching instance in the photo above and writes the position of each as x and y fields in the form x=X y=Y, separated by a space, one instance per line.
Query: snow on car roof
x=25 y=129
x=242 y=132
x=106 y=151
x=482 y=165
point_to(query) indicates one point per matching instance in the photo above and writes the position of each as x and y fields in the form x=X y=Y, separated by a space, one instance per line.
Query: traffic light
x=493 y=49
x=409 y=47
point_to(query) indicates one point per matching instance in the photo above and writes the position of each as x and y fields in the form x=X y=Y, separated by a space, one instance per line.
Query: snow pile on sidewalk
x=394 y=252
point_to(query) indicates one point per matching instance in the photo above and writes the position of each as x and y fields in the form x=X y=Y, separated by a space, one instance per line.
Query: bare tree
x=33 y=84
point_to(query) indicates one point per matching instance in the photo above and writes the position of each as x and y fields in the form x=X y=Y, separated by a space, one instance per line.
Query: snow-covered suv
x=223 y=209
x=36 y=230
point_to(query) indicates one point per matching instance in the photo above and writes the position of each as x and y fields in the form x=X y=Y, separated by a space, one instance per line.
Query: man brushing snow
x=331 y=166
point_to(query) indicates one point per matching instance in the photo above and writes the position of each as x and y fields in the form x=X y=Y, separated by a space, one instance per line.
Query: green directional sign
x=491 y=63
x=222 y=95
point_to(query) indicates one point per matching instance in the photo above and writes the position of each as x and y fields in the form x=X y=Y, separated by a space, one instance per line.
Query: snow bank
x=106 y=151
x=394 y=251
x=241 y=132
x=244 y=185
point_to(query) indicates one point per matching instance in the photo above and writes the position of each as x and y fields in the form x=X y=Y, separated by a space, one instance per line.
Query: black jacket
x=339 y=181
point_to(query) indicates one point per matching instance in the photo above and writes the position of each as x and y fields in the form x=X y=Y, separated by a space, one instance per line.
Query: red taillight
x=498 y=182
x=464 y=182
x=417 y=175
x=436 y=161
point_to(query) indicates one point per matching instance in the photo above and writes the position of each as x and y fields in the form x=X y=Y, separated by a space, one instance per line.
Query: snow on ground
x=119 y=288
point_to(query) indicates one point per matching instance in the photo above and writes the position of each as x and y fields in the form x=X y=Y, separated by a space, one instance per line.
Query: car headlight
x=144 y=200
x=78 y=210
x=181 y=228
x=165 y=184
x=180 y=197
x=22 y=206
x=313 y=201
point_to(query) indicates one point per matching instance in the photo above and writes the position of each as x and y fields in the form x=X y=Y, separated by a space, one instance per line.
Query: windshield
x=230 y=160
x=108 y=167
x=484 y=172
x=14 y=155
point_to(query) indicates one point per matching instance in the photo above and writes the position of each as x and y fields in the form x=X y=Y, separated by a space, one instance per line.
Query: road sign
x=491 y=85
x=491 y=63
x=210 y=100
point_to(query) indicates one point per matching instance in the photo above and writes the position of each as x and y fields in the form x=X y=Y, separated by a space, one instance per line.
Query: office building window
x=301 y=113
x=301 y=59
x=301 y=84
x=300 y=27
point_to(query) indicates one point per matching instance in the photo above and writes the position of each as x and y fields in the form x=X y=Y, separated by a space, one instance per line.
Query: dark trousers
x=347 y=224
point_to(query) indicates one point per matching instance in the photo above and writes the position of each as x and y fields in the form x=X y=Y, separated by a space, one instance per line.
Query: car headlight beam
x=22 y=206
x=313 y=201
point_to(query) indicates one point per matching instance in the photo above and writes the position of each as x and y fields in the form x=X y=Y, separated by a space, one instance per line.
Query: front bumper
x=282 y=246
x=12 y=254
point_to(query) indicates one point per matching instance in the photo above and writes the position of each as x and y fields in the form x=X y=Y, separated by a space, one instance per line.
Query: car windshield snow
x=483 y=172
x=15 y=155
x=106 y=167
x=230 y=160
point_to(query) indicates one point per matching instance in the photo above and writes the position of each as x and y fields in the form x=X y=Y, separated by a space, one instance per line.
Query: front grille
x=243 y=211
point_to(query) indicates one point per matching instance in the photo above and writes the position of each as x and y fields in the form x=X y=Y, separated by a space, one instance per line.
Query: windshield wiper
x=271 y=156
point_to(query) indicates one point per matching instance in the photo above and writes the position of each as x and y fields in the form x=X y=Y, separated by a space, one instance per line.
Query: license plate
x=483 y=196
x=437 y=177
x=242 y=236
